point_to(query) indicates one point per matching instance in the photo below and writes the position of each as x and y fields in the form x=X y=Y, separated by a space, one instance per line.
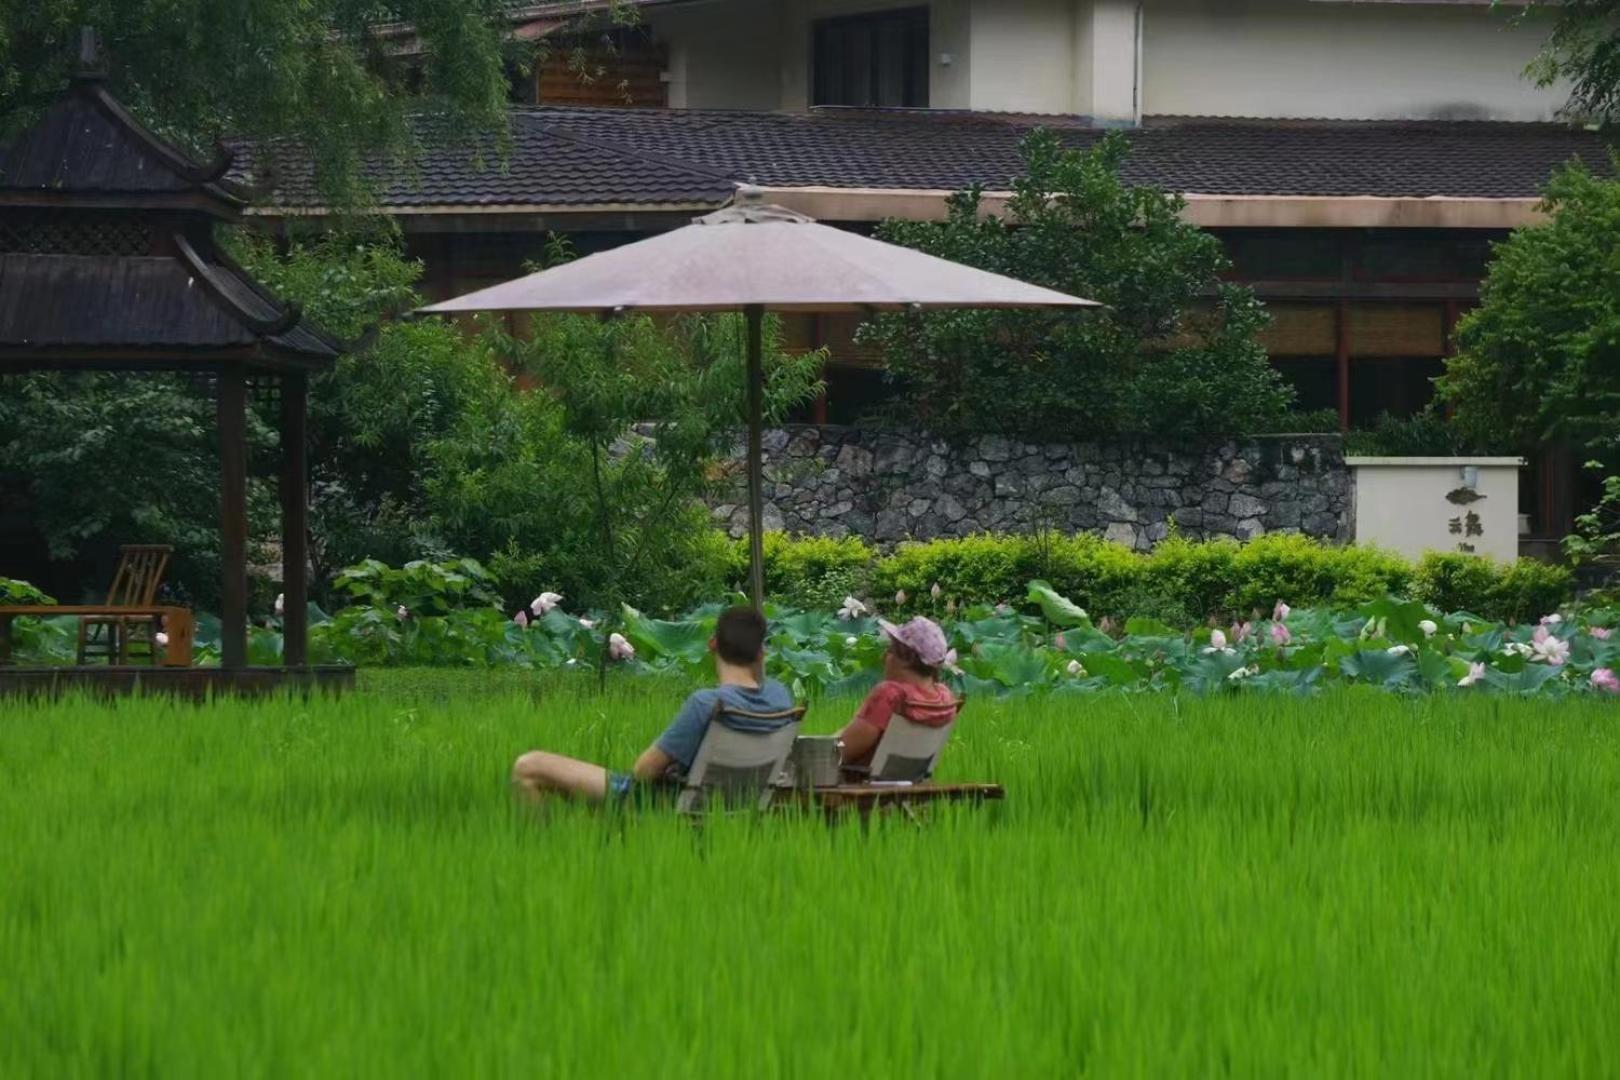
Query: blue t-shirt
x=683 y=737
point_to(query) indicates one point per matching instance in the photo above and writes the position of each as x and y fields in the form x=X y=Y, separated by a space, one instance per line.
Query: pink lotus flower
x=281 y=604
x=900 y=598
x=1060 y=644
x=1429 y=627
x=402 y=613
x=1281 y=612
x=1551 y=620
x=1242 y=632
x=544 y=603
x=522 y=619
x=1606 y=680
x=1602 y=633
x=1476 y=673
x=620 y=650
x=935 y=591
x=1217 y=640
x=1280 y=635
x=1547 y=648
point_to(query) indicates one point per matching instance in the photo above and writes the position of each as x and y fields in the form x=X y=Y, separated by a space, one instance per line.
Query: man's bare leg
x=538 y=774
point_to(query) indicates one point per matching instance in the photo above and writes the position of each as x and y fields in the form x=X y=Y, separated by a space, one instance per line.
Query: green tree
x=1174 y=353
x=327 y=73
x=1583 y=49
x=596 y=480
x=1539 y=360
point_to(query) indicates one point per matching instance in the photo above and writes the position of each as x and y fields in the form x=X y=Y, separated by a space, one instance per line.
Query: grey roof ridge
x=621 y=150
x=1166 y=121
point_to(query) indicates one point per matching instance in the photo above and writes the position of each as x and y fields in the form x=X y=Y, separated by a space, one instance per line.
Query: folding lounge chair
x=739 y=766
x=908 y=751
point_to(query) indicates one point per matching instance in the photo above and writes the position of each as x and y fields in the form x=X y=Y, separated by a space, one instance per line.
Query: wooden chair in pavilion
x=119 y=636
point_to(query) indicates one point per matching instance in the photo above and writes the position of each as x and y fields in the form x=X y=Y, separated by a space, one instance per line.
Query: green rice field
x=1356 y=884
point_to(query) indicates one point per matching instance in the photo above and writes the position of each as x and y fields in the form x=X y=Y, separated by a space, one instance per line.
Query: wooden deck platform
x=196 y=683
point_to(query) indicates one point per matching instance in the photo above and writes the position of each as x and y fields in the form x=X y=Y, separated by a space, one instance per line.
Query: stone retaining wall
x=889 y=486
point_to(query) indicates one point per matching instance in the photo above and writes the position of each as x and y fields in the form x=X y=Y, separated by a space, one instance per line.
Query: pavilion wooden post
x=756 y=456
x=294 y=519
x=232 y=404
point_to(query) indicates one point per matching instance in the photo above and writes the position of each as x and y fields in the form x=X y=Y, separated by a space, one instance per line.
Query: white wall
x=1023 y=56
x=1264 y=58
x=722 y=55
x=1402 y=505
x=1296 y=58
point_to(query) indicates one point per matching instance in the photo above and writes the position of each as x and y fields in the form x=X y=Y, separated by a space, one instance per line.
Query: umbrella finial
x=748 y=207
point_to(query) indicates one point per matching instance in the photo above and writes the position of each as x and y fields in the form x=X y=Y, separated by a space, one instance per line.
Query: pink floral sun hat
x=923 y=637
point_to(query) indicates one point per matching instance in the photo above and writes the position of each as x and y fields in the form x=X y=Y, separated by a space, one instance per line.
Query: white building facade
x=1114 y=61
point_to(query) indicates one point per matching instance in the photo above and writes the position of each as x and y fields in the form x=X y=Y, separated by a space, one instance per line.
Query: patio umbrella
x=752 y=257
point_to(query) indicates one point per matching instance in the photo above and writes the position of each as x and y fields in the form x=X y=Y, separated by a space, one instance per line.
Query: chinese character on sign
x=1466 y=525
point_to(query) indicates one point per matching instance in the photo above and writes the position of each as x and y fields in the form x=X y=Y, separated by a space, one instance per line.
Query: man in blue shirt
x=750 y=701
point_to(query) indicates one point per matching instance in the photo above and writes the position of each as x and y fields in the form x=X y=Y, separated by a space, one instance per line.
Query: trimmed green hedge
x=1182 y=581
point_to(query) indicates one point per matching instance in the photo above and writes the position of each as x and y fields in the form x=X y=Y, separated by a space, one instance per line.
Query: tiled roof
x=580 y=156
x=81 y=305
x=541 y=167
x=86 y=142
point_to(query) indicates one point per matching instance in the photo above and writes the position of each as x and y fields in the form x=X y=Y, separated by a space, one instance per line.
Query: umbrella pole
x=756 y=456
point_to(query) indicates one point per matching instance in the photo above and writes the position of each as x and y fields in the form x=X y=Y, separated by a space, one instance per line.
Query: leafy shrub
x=1529 y=589
x=1301 y=422
x=422 y=588
x=1455 y=582
x=1100 y=576
x=970 y=570
x=1201 y=577
x=1184 y=580
x=1515 y=592
x=1425 y=435
x=814 y=573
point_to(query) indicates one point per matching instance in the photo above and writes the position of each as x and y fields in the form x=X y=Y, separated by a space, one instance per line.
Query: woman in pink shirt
x=910 y=687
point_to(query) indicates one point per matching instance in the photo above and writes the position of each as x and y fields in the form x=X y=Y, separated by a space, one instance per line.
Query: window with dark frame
x=880 y=60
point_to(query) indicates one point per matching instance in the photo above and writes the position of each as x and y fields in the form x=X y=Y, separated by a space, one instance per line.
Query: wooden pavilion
x=108 y=263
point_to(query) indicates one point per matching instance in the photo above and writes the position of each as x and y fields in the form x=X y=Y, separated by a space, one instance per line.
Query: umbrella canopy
x=751 y=255
x=754 y=258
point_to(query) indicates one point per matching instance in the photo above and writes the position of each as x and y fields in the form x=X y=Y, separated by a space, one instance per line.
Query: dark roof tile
x=587 y=156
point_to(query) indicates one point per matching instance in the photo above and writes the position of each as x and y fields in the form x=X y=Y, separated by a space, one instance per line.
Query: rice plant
x=1352 y=884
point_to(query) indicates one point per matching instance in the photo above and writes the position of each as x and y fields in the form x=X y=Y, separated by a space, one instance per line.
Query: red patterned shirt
x=930 y=706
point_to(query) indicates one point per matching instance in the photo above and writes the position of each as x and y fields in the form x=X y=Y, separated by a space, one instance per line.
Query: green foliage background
x=326 y=74
x=421 y=444
x=1174 y=354
x=1539 y=360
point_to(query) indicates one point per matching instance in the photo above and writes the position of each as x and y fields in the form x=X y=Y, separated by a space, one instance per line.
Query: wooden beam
x=1342 y=358
x=1449 y=292
x=232 y=404
x=294 y=519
